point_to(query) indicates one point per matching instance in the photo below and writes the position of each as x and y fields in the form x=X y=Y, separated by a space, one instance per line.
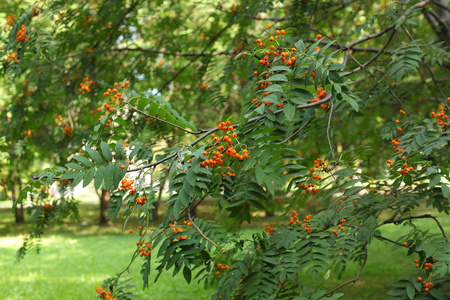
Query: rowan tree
x=333 y=113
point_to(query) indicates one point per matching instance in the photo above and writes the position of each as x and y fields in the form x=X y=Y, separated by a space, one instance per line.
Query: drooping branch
x=430 y=71
x=374 y=57
x=389 y=88
x=351 y=280
x=328 y=129
x=206 y=132
x=163 y=121
x=297 y=131
x=426 y=216
x=165 y=52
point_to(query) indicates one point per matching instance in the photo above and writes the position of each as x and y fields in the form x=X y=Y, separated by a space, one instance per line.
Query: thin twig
x=297 y=131
x=165 y=52
x=223 y=251
x=352 y=280
x=429 y=70
x=207 y=132
x=328 y=129
x=374 y=57
x=392 y=220
x=163 y=121
x=389 y=88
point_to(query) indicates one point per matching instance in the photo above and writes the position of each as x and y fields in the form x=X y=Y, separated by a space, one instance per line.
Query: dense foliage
x=288 y=107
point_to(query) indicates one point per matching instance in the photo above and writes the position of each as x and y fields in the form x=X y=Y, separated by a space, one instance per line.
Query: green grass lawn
x=76 y=258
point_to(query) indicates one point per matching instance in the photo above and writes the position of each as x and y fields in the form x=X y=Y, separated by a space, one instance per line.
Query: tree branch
x=157 y=51
x=352 y=280
x=163 y=121
x=392 y=220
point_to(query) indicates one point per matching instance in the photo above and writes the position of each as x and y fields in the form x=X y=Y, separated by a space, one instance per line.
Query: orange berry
x=205 y=153
x=116 y=84
x=282 y=31
x=131 y=230
x=122 y=166
x=419 y=278
x=319 y=36
x=127 y=83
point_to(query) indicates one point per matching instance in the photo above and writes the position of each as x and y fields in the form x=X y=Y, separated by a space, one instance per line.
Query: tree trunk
x=18 y=213
x=104 y=200
x=439 y=20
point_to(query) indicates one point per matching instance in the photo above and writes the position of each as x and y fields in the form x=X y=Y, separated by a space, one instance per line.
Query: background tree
x=311 y=93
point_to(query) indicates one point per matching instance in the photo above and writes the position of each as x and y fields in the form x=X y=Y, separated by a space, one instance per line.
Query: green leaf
x=84 y=161
x=445 y=190
x=108 y=176
x=434 y=180
x=191 y=177
x=98 y=179
x=410 y=291
x=106 y=151
x=94 y=155
x=74 y=166
x=134 y=151
x=269 y=184
x=350 y=101
x=279 y=68
x=69 y=175
x=78 y=179
x=278 y=77
x=120 y=121
x=142 y=103
x=187 y=274
x=88 y=177
x=273 y=88
x=177 y=208
x=289 y=111
x=119 y=150
x=259 y=174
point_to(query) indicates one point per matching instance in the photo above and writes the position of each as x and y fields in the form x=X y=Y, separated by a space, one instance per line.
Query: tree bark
x=18 y=213
x=104 y=200
x=439 y=20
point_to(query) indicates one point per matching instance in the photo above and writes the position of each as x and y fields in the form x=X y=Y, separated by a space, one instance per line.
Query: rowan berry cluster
x=404 y=170
x=13 y=57
x=9 y=21
x=396 y=142
x=144 y=248
x=126 y=185
x=104 y=294
x=305 y=223
x=223 y=267
x=238 y=49
x=35 y=11
x=85 y=85
x=321 y=94
x=67 y=131
x=441 y=115
x=218 y=153
x=313 y=73
x=269 y=229
x=319 y=164
x=47 y=207
x=21 y=35
x=291 y=219
x=176 y=230
x=141 y=200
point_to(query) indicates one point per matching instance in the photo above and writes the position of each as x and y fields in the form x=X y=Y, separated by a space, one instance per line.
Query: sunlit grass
x=75 y=258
